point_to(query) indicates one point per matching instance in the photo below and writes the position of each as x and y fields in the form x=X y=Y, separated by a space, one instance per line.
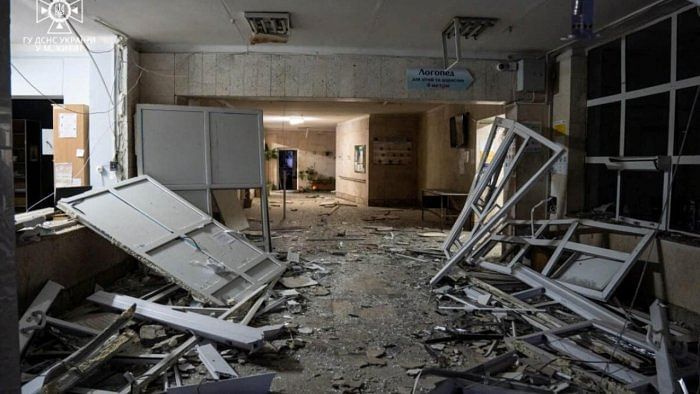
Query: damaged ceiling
x=363 y=26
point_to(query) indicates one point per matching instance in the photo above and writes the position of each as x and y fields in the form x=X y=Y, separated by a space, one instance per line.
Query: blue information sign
x=435 y=78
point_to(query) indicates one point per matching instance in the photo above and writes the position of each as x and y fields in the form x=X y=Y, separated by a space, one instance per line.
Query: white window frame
x=671 y=87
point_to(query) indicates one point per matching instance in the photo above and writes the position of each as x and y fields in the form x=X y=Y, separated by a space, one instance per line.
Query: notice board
x=71 y=145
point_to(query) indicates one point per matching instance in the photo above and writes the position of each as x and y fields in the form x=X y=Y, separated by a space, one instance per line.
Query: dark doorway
x=287 y=170
x=37 y=178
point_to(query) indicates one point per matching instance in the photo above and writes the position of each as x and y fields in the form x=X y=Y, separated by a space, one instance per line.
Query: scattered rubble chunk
x=151 y=334
x=295 y=282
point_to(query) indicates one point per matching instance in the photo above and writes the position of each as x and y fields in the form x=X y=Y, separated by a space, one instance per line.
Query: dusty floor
x=360 y=330
x=375 y=300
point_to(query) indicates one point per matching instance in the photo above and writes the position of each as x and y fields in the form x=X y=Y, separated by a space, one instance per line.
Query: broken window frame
x=492 y=179
x=614 y=162
x=565 y=244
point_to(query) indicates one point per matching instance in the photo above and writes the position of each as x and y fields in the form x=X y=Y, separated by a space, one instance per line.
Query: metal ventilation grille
x=269 y=26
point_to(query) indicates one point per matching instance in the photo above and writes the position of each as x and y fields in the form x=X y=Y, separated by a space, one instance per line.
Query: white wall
x=73 y=77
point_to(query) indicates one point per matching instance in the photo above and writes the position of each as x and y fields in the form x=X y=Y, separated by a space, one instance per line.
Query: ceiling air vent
x=269 y=27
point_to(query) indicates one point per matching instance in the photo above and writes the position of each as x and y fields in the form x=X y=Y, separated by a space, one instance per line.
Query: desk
x=443 y=203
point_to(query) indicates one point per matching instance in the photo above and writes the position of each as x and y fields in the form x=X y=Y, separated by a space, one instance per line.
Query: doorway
x=287 y=170
x=483 y=130
x=33 y=151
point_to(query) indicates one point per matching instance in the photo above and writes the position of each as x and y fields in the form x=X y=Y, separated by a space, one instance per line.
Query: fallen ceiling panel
x=176 y=239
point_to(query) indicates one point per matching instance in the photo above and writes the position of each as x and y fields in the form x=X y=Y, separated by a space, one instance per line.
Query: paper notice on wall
x=561 y=165
x=560 y=127
x=68 y=125
x=80 y=152
x=63 y=174
x=47 y=142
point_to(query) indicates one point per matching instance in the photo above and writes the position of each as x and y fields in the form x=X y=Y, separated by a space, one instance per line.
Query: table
x=443 y=203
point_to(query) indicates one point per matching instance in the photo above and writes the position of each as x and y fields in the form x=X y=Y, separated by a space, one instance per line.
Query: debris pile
x=212 y=285
x=515 y=305
x=526 y=300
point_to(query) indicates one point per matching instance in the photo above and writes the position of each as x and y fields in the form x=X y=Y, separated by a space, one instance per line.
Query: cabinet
x=26 y=160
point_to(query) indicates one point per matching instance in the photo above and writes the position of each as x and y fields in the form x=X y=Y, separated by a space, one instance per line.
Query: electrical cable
x=89 y=156
x=49 y=99
x=94 y=62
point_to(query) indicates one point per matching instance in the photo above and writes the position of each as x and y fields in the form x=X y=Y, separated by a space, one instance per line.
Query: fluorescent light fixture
x=296 y=120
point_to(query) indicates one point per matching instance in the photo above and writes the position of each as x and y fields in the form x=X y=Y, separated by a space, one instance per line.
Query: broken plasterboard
x=171 y=236
x=231 y=208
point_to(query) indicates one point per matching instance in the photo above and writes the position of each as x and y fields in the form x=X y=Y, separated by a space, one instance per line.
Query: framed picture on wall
x=360 y=158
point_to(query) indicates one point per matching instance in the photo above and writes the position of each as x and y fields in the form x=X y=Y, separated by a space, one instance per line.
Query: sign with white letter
x=435 y=78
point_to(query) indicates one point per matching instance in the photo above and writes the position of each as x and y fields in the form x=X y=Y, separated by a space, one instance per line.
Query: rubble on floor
x=227 y=278
x=351 y=310
x=544 y=332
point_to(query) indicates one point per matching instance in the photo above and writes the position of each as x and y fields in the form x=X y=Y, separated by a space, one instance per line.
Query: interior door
x=287 y=170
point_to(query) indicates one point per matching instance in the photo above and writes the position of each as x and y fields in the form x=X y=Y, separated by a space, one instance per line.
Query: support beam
x=229 y=333
x=665 y=366
x=213 y=362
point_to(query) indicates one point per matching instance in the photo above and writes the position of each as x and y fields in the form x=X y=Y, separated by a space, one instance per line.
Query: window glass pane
x=641 y=194
x=603 y=130
x=688 y=61
x=685 y=200
x=604 y=70
x=684 y=103
x=601 y=187
x=646 y=126
x=648 y=56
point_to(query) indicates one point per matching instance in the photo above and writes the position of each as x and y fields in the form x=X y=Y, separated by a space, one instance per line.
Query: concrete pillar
x=569 y=124
x=9 y=343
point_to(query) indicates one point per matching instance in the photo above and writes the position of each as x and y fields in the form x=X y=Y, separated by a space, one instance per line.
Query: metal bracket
x=462 y=26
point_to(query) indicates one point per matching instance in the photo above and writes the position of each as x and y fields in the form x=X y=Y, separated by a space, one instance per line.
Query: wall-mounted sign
x=436 y=78
x=392 y=151
x=360 y=158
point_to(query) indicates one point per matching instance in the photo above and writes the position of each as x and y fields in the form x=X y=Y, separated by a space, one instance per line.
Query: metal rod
x=284 y=195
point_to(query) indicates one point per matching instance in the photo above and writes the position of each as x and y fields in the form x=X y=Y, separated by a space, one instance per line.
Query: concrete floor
x=375 y=300
x=369 y=300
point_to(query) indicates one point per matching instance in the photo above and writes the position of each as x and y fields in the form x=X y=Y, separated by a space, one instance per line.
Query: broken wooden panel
x=231 y=209
x=176 y=239
x=64 y=374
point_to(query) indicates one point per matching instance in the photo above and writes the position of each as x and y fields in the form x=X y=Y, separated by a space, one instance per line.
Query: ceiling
x=389 y=27
x=317 y=115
